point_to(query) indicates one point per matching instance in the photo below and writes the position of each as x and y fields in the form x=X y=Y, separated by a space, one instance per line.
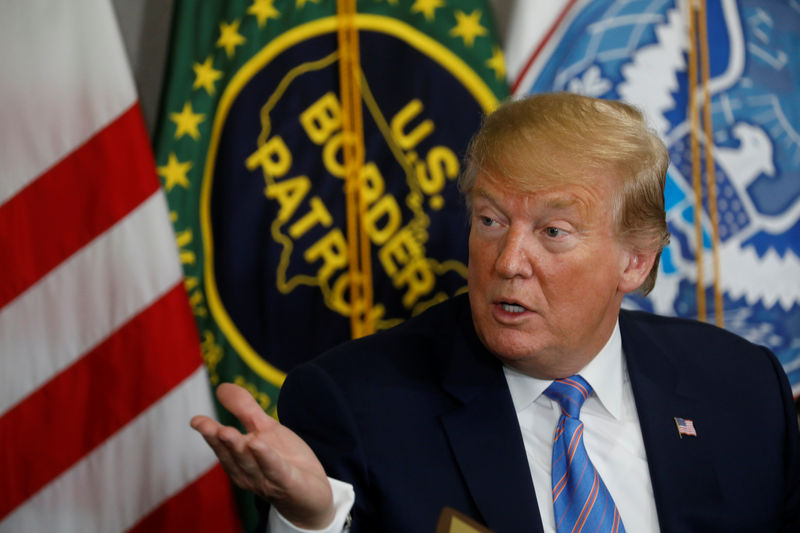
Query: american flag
x=685 y=427
x=100 y=363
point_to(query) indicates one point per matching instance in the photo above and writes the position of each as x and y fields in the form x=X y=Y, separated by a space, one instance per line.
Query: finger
x=243 y=456
x=212 y=432
x=268 y=461
x=226 y=443
x=229 y=445
x=246 y=470
x=204 y=425
x=244 y=407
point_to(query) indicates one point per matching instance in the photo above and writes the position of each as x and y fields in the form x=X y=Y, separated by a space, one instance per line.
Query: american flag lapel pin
x=685 y=427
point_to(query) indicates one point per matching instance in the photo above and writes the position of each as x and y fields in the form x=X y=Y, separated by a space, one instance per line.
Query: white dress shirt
x=611 y=434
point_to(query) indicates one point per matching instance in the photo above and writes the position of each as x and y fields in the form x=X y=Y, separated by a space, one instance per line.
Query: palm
x=269 y=460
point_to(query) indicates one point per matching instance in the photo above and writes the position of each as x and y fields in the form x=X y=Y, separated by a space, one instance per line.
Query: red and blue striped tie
x=581 y=500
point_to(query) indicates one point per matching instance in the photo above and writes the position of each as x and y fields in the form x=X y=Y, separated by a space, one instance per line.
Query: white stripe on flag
x=86 y=298
x=529 y=22
x=65 y=78
x=132 y=473
x=523 y=79
x=59 y=86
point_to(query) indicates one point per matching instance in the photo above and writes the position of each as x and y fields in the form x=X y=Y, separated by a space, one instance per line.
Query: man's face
x=547 y=273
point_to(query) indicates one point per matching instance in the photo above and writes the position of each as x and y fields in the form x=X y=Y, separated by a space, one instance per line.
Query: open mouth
x=512 y=308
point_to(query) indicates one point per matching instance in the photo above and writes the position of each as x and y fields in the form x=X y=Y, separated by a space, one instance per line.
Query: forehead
x=583 y=195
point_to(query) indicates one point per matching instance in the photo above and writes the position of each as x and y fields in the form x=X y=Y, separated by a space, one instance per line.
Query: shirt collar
x=605 y=373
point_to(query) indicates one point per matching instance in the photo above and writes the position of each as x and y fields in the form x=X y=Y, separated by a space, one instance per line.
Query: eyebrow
x=562 y=202
x=553 y=202
x=478 y=192
x=483 y=194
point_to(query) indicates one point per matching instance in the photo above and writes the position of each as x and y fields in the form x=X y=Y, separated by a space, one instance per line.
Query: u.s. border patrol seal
x=274 y=210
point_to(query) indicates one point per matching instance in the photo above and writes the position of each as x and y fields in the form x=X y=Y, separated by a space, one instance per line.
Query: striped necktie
x=581 y=500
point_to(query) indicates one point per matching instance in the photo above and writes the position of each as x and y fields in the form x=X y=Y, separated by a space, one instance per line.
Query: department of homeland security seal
x=637 y=51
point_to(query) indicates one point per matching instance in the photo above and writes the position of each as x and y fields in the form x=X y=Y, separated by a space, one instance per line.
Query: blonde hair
x=549 y=135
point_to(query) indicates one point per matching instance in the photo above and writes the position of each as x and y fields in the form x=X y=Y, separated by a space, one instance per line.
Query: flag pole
x=358 y=246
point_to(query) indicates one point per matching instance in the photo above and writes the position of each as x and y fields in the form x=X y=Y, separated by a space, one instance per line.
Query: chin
x=510 y=345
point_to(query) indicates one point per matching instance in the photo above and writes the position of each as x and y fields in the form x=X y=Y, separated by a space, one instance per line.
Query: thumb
x=244 y=407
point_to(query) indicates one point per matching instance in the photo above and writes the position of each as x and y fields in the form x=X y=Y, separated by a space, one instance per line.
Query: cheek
x=587 y=286
x=481 y=257
x=476 y=276
x=570 y=282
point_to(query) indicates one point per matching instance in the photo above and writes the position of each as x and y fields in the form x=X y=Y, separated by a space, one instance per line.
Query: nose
x=514 y=258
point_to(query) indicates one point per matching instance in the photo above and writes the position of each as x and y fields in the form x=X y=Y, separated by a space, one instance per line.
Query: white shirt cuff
x=343 y=499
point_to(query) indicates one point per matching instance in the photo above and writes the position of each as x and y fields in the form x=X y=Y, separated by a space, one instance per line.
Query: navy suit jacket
x=420 y=417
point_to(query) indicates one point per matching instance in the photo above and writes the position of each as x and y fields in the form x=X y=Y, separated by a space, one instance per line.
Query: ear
x=636 y=271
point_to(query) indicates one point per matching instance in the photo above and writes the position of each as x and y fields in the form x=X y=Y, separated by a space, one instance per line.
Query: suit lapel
x=484 y=434
x=682 y=472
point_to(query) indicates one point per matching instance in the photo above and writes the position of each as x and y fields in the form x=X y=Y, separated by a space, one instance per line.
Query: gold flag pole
x=694 y=117
x=358 y=247
x=710 y=173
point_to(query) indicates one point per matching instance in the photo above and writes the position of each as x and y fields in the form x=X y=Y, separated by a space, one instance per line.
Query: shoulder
x=705 y=354
x=682 y=333
x=414 y=351
x=396 y=374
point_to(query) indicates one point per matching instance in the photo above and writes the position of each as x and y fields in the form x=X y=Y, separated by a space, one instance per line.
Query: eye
x=486 y=221
x=552 y=231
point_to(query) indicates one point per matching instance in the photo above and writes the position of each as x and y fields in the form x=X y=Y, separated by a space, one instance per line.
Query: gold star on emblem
x=174 y=173
x=302 y=3
x=205 y=75
x=427 y=8
x=187 y=121
x=497 y=63
x=263 y=10
x=468 y=27
x=230 y=37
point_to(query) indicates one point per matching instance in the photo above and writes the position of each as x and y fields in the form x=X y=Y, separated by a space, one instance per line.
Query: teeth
x=513 y=308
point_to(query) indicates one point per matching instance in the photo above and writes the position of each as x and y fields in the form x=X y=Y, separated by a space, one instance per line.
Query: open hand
x=269 y=460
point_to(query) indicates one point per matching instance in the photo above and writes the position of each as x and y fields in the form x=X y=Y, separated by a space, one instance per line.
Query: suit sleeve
x=791 y=506
x=314 y=407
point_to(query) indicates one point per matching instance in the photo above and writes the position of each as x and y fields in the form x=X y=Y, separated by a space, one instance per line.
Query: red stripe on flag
x=78 y=409
x=74 y=202
x=182 y=513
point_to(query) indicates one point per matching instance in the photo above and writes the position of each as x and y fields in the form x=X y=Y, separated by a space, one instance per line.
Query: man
x=682 y=426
